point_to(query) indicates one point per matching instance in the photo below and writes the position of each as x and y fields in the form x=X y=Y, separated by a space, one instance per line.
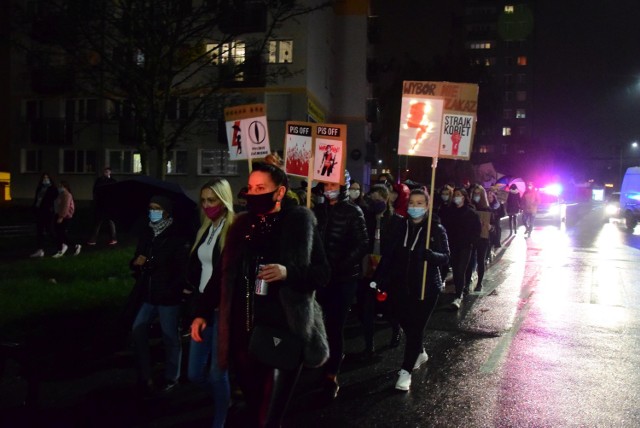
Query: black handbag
x=276 y=347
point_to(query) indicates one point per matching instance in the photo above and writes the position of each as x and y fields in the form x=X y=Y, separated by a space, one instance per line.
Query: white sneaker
x=404 y=380
x=422 y=358
x=61 y=252
x=77 y=251
x=456 y=303
x=39 y=253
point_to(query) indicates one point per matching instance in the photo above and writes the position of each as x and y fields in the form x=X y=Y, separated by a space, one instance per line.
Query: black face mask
x=260 y=204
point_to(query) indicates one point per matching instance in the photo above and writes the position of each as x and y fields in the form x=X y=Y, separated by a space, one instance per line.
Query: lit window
x=77 y=161
x=31 y=160
x=506 y=131
x=226 y=52
x=522 y=60
x=483 y=149
x=216 y=162
x=521 y=95
x=509 y=8
x=124 y=161
x=177 y=162
x=521 y=113
x=280 y=51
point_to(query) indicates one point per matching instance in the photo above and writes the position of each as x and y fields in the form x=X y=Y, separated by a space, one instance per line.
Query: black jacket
x=344 y=233
x=401 y=267
x=513 y=203
x=462 y=226
x=164 y=274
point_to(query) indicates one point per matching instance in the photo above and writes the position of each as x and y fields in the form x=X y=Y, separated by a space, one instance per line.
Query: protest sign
x=247 y=131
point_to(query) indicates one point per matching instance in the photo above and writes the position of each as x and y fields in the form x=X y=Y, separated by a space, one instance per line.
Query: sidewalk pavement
x=102 y=393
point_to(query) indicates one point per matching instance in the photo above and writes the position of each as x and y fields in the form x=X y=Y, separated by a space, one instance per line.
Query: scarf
x=160 y=226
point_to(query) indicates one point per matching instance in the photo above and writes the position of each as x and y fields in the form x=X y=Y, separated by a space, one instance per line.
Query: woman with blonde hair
x=216 y=202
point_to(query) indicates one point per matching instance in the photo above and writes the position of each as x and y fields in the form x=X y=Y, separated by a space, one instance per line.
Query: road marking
x=500 y=350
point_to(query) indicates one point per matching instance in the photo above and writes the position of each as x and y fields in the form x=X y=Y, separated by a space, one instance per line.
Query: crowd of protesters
x=268 y=272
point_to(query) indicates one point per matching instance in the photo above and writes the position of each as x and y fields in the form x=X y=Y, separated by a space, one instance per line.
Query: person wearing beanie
x=160 y=264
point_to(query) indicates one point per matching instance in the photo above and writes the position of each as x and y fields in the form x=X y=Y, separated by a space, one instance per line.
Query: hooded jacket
x=401 y=267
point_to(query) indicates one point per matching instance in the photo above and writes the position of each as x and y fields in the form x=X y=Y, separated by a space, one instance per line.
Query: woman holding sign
x=401 y=274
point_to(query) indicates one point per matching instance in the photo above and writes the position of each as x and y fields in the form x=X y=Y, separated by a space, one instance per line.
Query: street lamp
x=634 y=145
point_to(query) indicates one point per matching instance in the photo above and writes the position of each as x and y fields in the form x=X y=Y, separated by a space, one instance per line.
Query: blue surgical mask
x=476 y=199
x=416 y=212
x=155 y=216
x=445 y=197
x=458 y=200
x=46 y=182
x=331 y=194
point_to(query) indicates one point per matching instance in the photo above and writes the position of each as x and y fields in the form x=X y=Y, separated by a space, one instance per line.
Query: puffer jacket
x=344 y=234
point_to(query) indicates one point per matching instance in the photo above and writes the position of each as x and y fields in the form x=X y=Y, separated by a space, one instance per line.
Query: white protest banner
x=330 y=146
x=247 y=131
x=298 y=148
x=456 y=126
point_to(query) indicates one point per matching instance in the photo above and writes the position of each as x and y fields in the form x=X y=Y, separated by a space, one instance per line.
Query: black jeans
x=460 y=257
x=513 y=222
x=366 y=312
x=44 y=225
x=413 y=315
x=62 y=233
x=481 y=247
x=336 y=299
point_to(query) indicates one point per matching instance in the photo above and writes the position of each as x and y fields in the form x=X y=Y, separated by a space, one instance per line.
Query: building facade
x=73 y=136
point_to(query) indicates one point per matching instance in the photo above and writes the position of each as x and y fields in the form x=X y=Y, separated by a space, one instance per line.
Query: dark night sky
x=588 y=72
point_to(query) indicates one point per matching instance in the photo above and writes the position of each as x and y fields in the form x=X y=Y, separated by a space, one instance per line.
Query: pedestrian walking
x=497 y=212
x=378 y=216
x=344 y=234
x=513 y=208
x=481 y=245
x=530 y=201
x=216 y=203
x=64 y=207
x=272 y=264
x=463 y=229
x=100 y=210
x=400 y=273
x=43 y=210
x=160 y=261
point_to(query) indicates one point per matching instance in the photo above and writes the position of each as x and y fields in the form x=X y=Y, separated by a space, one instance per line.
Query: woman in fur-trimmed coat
x=286 y=244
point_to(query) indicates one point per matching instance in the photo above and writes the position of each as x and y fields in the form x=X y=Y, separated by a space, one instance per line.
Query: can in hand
x=261 y=286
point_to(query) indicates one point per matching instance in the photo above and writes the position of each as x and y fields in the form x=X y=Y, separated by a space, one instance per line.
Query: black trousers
x=479 y=251
x=267 y=390
x=413 y=315
x=336 y=300
x=460 y=257
x=366 y=312
x=44 y=225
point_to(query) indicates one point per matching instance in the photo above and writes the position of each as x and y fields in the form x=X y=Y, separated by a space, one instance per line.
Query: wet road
x=551 y=341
